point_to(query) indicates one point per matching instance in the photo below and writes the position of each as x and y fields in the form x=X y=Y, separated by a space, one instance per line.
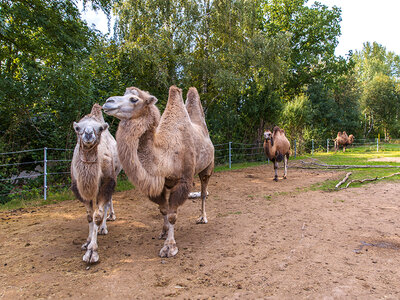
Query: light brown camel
x=162 y=155
x=277 y=148
x=94 y=170
x=344 y=140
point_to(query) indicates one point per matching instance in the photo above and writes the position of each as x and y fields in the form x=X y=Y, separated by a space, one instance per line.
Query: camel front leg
x=162 y=202
x=104 y=196
x=89 y=215
x=177 y=197
x=91 y=255
x=276 y=170
x=285 y=164
x=169 y=249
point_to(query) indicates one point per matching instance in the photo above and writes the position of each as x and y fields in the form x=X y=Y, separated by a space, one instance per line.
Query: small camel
x=94 y=170
x=344 y=140
x=161 y=155
x=277 y=148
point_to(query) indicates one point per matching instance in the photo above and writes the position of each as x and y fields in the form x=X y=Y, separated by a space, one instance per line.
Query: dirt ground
x=263 y=240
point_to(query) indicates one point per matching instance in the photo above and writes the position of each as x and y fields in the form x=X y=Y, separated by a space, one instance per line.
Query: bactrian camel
x=94 y=169
x=161 y=155
x=277 y=148
x=344 y=140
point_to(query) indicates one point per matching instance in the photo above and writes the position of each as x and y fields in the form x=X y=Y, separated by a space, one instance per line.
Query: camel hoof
x=111 y=217
x=103 y=230
x=169 y=250
x=91 y=257
x=276 y=179
x=85 y=245
x=284 y=177
x=202 y=220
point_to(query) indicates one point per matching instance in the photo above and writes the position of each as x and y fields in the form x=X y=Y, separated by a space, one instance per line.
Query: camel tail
x=194 y=108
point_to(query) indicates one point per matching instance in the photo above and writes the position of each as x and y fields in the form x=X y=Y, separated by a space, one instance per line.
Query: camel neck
x=268 y=149
x=135 y=143
x=88 y=156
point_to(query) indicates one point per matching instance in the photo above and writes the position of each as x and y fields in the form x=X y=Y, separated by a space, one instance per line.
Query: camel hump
x=194 y=107
x=96 y=113
x=278 y=130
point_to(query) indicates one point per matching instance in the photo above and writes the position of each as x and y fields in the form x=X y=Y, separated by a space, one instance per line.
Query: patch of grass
x=267 y=197
x=357 y=158
x=124 y=184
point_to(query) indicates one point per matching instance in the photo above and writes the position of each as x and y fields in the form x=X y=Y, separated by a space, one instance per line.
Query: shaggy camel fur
x=162 y=155
x=277 y=148
x=344 y=140
x=94 y=170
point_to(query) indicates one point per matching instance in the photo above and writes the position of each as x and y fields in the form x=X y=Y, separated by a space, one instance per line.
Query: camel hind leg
x=285 y=164
x=111 y=216
x=204 y=178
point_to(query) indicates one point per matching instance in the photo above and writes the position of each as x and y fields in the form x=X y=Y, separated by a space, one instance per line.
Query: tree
x=381 y=100
x=314 y=34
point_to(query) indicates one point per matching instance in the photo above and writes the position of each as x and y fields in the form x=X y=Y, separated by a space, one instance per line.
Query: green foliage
x=255 y=63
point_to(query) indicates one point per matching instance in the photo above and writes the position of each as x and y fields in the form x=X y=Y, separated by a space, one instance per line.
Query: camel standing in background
x=162 y=155
x=277 y=148
x=344 y=140
x=94 y=170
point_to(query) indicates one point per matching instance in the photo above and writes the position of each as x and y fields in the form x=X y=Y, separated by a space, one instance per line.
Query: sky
x=362 y=21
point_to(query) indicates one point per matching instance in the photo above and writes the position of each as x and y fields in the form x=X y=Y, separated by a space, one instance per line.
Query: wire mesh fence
x=35 y=172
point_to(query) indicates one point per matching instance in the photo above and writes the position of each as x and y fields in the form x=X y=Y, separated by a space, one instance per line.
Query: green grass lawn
x=358 y=156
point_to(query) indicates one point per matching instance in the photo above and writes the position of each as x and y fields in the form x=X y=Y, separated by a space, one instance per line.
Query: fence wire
x=34 y=170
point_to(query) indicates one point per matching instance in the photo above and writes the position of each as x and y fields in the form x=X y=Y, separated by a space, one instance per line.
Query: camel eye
x=133 y=100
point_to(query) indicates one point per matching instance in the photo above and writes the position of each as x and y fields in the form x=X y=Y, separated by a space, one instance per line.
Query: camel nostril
x=110 y=101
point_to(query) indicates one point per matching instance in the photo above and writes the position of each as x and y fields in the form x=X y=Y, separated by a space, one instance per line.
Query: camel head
x=88 y=131
x=351 y=138
x=268 y=136
x=130 y=105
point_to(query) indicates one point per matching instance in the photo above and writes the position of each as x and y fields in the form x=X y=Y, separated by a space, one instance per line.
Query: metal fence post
x=327 y=145
x=45 y=173
x=312 y=147
x=230 y=155
x=377 y=145
x=295 y=149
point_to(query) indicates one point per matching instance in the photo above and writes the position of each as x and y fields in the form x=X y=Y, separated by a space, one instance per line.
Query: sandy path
x=263 y=239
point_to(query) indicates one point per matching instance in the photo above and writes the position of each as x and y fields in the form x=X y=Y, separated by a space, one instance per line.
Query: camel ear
x=76 y=127
x=151 y=100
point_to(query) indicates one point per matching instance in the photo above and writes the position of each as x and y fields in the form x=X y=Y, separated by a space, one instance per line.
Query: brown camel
x=94 y=170
x=277 y=148
x=162 y=155
x=344 y=140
